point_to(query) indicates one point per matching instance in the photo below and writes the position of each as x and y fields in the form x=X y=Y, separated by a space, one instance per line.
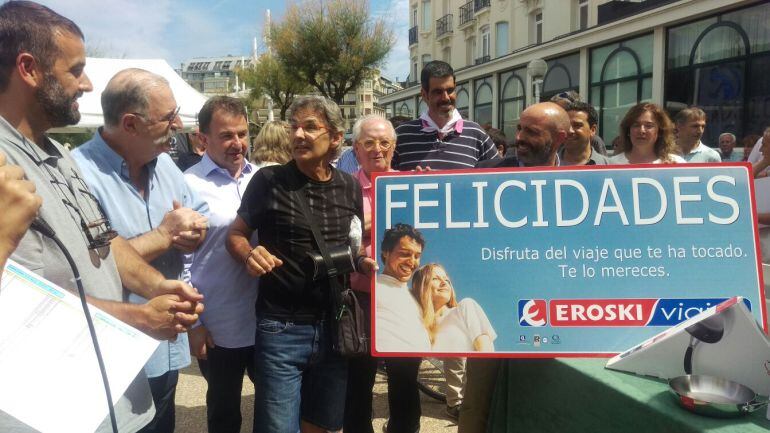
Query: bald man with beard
x=542 y=130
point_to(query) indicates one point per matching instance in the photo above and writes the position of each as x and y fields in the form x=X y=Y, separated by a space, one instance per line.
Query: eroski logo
x=627 y=312
x=533 y=312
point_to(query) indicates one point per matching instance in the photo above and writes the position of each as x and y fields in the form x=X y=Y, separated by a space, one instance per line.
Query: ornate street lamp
x=537 y=69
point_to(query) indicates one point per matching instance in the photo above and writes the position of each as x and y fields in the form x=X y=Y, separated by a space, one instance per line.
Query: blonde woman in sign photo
x=452 y=326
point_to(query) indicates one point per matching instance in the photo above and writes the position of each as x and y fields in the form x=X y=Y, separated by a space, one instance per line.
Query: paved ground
x=191 y=406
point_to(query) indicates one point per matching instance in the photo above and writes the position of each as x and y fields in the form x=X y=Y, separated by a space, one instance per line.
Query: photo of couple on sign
x=417 y=307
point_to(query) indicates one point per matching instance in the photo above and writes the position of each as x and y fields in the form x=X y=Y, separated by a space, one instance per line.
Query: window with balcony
x=444 y=25
x=466 y=13
x=413 y=35
x=484 y=48
x=479 y=5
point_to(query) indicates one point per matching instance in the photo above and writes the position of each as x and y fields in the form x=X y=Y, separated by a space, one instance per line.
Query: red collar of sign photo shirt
x=456 y=123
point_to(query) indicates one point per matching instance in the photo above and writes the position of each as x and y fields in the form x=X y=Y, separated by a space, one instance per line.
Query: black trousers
x=163 y=389
x=403 y=394
x=223 y=370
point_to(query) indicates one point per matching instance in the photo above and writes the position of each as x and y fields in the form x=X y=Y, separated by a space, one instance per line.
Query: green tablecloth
x=580 y=395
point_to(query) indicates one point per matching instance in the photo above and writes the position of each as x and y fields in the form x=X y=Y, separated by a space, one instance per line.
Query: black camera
x=342 y=262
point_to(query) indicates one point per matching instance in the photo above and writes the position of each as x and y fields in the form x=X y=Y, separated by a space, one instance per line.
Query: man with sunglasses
x=147 y=201
x=42 y=59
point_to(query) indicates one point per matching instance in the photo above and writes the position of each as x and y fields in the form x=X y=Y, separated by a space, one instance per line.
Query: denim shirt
x=106 y=174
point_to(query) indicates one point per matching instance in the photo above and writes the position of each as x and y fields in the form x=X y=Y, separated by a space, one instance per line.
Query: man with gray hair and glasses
x=147 y=201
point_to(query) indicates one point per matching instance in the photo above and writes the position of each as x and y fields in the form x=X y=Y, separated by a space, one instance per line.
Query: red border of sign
x=375 y=250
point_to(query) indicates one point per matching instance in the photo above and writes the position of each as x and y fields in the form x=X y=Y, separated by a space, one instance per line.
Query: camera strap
x=319 y=240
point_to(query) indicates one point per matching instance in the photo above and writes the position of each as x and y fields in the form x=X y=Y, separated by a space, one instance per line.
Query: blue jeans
x=297 y=375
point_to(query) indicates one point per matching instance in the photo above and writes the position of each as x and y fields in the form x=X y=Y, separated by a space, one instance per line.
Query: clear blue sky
x=177 y=30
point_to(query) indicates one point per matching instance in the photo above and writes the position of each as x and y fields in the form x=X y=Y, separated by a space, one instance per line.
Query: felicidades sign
x=551 y=262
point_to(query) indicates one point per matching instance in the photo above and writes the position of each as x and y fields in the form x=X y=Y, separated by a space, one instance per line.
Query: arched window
x=563 y=75
x=621 y=77
x=512 y=101
x=482 y=105
x=405 y=108
x=463 y=101
x=720 y=64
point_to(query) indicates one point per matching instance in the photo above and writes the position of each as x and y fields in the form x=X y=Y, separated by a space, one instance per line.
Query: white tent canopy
x=101 y=70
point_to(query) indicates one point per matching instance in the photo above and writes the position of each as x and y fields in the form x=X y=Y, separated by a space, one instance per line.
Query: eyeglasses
x=309 y=128
x=85 y=210
x=95 y=226
x=169 y=118
x=369 y=144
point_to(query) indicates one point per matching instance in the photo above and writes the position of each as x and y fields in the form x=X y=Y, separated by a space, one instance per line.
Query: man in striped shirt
x=440 y=139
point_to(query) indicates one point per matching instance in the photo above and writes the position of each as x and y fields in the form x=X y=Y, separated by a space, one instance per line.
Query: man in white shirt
x=223 y=341
x=690 y=124
x=398 y=325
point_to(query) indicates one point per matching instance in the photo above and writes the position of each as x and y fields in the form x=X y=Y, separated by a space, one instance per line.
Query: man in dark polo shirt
x=440 y=138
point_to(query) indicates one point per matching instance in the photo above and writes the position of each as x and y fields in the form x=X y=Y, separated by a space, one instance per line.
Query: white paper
x=48 y=369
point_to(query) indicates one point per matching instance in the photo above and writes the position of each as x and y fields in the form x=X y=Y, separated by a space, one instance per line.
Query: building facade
x=366 y=98
x=710 y=53
x=359 y=102
x=214 y=75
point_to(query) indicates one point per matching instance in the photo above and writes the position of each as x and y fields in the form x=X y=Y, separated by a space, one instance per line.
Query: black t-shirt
x=268 y=206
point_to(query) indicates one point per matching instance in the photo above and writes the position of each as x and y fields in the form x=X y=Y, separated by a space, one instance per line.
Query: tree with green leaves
x=270 y=77
x=331 y=44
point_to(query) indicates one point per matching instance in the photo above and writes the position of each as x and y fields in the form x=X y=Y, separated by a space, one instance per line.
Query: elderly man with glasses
x=147 y=201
